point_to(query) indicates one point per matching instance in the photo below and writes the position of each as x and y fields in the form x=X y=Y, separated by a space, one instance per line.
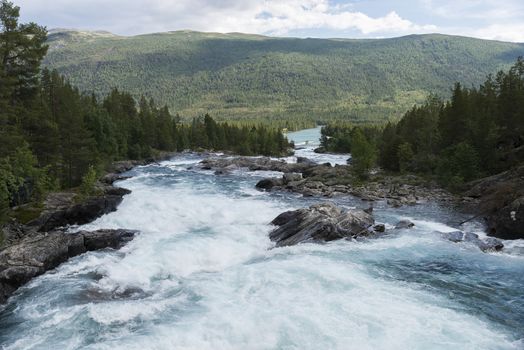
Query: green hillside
x=249 y=76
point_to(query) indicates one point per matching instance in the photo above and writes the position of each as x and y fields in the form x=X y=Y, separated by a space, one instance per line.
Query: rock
x=508 y=222
x=36 y=254
x=253 y=164
x=222 y=172
x=311 y=193
x=455 y=236
x=81 y=213
x=320 y=150
x=486 y=245
x=126 y=165
x=402 y=224
x=490 y=244
x=12 y=232
x=470 y=237
x=291 y=177
x=269 y=183
x=113 y=177
x=379 y=228
x=304 y=160
x=116 y=191
x=319 y=223
x=395 y=203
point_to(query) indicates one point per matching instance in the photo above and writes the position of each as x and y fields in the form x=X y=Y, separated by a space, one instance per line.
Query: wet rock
x=470 y=237
x=304 y=160
x=36 y=254
x=110 y=178
x=455 y=236
x=320 y=223
x=395 y=203
x=269 y=183
x=311 y=193
x=486 y=245
x=508 y=222
x=379 y=228
x=402 y=224
x=291 y=177
x=222 y=172
x=490 y=244
x=253 y=164
x=63 y=213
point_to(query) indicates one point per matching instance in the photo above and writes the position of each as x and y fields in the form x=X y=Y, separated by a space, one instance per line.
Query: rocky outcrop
x=499 y=199
x=268 y=184
x=508 y=222
x=253 y=164
x=486 y=245
x=403 y=224
x=320 y=223
x=36 y=254
x=60 y=209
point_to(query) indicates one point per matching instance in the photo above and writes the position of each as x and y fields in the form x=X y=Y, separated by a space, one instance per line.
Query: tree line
x=53 y=136
x=478 y=132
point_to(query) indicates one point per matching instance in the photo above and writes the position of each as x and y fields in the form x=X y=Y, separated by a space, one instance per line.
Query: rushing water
x=203 y=275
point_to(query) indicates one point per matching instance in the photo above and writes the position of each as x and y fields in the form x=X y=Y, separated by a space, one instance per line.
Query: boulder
x=320 y=223
x=304 y=160
x=486 y=245
x=63 y=214
x=455 y=236
x=36 y=254
x=291 y=177
x=508 y=222
x=402 y=224
x=379 y=228
x=113 y=177
x=269 y=183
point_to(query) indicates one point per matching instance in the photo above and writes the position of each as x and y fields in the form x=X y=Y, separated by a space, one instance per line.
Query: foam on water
x=203 y=274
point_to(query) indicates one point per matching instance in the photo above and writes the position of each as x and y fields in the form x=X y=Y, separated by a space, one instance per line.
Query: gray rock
x=81 y=213
x=113 y=177
x=508 y=222
x=269 y=183
x=304 y=160
x=455 y=236
x=291 y=177
x=486 y=245
x=490 y=244
x=402 y=224
x=379 y=228
x=319 y=223
x=36 y=254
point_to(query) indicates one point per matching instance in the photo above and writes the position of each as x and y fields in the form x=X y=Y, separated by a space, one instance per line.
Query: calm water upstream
x=202 y=275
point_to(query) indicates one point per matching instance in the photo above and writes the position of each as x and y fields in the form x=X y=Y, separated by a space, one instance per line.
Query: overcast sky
x=489 y=19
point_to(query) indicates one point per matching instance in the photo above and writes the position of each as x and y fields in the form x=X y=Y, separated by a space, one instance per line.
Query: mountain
x=251 y=76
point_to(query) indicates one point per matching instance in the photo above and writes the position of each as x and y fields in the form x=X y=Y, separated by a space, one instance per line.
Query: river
x=202 y=274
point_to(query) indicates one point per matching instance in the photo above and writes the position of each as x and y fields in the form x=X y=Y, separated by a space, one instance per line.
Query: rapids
x=203 y=275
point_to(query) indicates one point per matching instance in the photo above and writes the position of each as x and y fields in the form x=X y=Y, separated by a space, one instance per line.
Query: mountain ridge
x=237 y=75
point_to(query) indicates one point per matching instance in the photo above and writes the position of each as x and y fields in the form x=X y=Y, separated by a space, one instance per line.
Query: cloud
x=507 y=32
x=486 y=19
x=274 y=17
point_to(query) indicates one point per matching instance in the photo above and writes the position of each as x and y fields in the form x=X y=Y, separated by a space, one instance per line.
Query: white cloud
x=507 y=32
x=276 y=17
x=486 y=19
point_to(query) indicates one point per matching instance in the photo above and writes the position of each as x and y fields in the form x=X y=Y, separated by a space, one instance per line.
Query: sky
x=487 y=19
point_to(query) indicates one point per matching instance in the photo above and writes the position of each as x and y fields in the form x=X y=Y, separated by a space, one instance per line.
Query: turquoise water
x=203 y=275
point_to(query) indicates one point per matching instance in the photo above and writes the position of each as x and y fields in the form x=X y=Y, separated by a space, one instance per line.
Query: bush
x=87 y=187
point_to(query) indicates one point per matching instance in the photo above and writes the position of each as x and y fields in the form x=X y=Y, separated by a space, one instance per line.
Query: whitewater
x=202 y=274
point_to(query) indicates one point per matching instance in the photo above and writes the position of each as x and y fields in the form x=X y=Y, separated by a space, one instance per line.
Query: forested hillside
x=247 y=76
